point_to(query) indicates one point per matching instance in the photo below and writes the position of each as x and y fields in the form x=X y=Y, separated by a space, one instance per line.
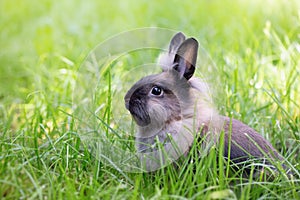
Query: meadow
x=253 y=45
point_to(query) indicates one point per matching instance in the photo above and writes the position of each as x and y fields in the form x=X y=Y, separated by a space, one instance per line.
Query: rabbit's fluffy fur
x=173 y=103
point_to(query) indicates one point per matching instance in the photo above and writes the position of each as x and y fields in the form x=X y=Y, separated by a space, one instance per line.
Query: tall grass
x=255 y=46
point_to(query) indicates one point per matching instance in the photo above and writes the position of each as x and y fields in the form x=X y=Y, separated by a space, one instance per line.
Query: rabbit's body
x=175 y=104
x=246 y=143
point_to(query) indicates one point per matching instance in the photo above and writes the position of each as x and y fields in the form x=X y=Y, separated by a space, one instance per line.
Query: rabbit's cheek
x=158 y=114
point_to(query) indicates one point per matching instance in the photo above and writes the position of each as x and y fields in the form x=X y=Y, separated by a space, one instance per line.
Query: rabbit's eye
x=157 y=91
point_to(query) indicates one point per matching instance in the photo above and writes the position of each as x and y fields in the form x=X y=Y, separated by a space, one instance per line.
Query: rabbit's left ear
x=176 y=41
x=186 y=58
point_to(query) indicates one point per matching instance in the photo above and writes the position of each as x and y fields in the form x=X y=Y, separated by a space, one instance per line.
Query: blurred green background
x=40 y=37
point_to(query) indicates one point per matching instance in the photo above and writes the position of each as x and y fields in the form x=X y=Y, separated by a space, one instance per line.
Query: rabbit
x=174 y=107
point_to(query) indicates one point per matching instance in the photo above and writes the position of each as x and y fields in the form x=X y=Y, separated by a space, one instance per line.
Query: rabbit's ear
x=166 y=59
x=176 y=41
x=186 y=58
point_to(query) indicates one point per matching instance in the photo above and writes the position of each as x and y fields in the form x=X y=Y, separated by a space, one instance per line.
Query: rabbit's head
x=160 y=102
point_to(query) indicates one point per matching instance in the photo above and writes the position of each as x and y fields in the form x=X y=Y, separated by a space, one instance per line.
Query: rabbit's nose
x=127 y=104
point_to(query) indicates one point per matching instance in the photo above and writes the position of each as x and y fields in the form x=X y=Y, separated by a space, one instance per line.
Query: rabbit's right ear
x=186 y=58
x=176 y=41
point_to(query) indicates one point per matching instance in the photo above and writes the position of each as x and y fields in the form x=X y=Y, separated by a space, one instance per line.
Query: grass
x=254 y=45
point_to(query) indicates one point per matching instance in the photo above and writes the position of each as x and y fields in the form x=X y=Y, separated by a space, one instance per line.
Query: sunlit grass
x=255 y=47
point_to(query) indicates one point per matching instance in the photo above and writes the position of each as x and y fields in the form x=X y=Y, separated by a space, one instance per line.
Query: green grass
x=256 y=49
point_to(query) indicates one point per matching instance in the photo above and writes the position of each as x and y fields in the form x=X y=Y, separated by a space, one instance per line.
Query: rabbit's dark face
x=153 y=102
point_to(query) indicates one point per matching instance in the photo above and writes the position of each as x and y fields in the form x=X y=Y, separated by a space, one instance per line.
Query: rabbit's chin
x=140 y=122
x=154 y=122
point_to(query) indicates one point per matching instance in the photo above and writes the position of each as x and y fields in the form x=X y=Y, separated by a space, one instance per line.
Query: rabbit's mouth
x=140 y=120
x=138 y=111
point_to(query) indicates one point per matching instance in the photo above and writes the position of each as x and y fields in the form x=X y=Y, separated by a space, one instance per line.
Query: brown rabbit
x=173 y=106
